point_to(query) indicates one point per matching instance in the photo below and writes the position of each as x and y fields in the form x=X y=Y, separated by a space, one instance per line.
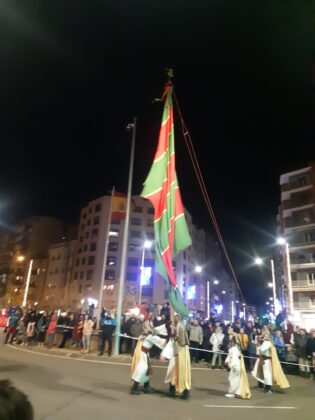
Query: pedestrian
x=195 y=339
x=42 y=329
x=243 y=340
x=21 y=332
x=68 y=324
x=216 y=340
x=51 y=330
x=11 y=326
x=30 y=332
x=280 y=345
x=238 y=380
x=107 y=325
x=87 y=333
x=310 y=352
x=206 y=355
x=268 y=370
x=300 y=340
x=78 y=332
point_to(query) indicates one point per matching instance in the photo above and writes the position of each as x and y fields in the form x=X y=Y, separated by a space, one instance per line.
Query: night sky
x=74 y=73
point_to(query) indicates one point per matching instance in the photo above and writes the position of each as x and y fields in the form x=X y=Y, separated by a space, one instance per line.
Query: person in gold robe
x=179 y=368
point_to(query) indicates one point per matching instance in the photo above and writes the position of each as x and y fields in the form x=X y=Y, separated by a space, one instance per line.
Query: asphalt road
x=93 y=388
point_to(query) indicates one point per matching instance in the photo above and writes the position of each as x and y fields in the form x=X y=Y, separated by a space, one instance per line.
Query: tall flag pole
x=161 y=188
x=125 y=240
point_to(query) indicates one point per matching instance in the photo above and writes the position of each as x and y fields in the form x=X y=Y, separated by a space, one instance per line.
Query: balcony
x=302 y=286
x=295 y=184
x=307 y=305
x=290 y=222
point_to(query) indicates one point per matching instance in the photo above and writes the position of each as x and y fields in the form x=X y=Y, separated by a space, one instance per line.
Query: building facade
x=60 y=265
x=89 y=267
x=21 y=243
x=297 y=226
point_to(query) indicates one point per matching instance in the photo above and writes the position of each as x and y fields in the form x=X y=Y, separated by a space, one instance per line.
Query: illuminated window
x=111 y=260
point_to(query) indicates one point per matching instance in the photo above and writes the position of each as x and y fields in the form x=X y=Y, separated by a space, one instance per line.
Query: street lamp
x=259 y=261
x=198 y=269
x=281 y=241
x=20 y=258
x=146 y=245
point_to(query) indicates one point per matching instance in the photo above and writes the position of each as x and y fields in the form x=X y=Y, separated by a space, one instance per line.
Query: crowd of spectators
x=208 y=338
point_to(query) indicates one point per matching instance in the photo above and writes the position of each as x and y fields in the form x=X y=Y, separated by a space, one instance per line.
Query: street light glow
x=147 y=244
x=216 y=282
x=198 y=269
x=270 y=284
x=20 y=258
x=223 y=292
x=281 y=241
x=258 y=261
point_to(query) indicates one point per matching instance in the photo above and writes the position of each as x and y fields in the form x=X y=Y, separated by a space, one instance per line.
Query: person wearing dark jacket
x=310 y=352
x=68 y=323
x=300 y=340
x=108 y=326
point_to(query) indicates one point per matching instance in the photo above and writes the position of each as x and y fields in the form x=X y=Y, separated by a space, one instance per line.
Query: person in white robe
x=238 y=380
x=141 y=369
x=267 y=369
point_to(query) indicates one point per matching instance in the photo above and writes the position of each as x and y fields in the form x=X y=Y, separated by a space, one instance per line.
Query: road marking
x=81 y=359
x=251 y=406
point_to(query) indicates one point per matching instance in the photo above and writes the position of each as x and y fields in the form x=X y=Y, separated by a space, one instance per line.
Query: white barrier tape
x=222 y=352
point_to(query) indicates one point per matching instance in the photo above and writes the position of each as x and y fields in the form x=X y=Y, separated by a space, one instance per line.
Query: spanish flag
x=119 y=205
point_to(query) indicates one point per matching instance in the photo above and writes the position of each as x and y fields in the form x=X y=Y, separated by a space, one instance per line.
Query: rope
x=203 y=188
x=224 y=353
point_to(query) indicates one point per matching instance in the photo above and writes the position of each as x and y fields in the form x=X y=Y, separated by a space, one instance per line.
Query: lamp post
x=146 y=245
x=209 y=296
x=125 y=240
x=27 y=284
x=260 y=261
x=287 y=271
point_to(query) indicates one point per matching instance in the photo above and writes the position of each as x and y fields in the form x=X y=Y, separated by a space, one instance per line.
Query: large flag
x=161 y=188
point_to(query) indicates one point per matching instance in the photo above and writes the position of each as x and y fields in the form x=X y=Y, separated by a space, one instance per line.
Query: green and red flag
x=161 y=188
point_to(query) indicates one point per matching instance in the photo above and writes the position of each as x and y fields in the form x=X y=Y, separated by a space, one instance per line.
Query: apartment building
x=297 y=226
x=59 y=270
x=86 y=278
x=21 y=243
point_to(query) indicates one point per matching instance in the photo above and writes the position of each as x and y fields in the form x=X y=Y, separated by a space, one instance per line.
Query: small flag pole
x=132 y=127
x=101 y=292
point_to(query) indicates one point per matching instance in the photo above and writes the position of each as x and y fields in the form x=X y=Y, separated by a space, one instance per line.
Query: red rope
x=204 y=191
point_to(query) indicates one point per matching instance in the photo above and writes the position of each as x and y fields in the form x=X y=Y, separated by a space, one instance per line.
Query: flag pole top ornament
x=170 y=73
x=168 y=86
